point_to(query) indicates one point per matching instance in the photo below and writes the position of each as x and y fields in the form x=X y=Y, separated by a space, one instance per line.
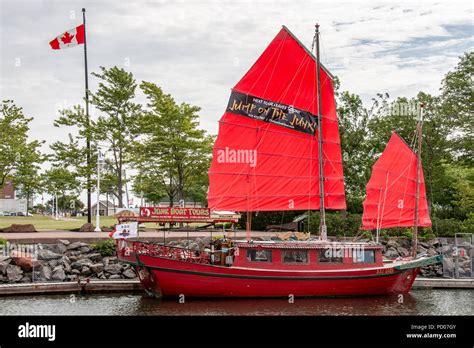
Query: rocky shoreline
x=63 y=261
x=66 y=261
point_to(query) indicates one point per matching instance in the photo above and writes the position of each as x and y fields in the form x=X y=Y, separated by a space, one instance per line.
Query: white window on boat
x=363 y=256
x=330 y=255
x=259 y=255
x=294 y=256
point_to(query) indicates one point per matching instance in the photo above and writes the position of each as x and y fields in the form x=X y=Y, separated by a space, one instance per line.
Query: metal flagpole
x=88 y=139
x=419 y=128
x=97 y=208
x=322 y=211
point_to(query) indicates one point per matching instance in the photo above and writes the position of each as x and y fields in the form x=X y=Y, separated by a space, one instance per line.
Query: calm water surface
x=418 y=302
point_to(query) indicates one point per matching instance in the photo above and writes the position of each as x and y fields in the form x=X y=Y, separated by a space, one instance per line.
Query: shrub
x=105 y=247
x=3 y=241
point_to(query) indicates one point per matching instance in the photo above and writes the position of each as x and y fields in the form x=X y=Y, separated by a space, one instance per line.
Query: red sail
x=391 y=191
x=265 y=157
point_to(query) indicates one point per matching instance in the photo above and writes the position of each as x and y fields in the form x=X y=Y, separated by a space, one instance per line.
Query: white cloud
x=191 y=48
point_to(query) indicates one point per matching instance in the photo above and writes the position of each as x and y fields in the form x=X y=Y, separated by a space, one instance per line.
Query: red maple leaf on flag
x=67 y=38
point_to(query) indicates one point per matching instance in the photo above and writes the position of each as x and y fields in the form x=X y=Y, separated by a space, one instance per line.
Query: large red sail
x=265 y=157
x=391 y=190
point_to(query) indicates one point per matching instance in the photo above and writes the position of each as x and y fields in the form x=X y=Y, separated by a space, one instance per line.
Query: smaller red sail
x=391 y=190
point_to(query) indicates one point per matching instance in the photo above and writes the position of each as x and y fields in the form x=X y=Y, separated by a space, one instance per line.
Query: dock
x=443 y=283
x=93 y=286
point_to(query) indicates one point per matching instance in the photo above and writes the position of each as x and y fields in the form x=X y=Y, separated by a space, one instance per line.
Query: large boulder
x=45 y=272
x=81 y=263
x=87 y=228
x=96 y=257
x=403 y=251
x=86 y=271
x=76 y=245
x=4 y=264
x=14 y=273
x=113 y=269
x=25 y=260
x=391 y=253
x=58 y=273
x=129 y=273
x=58 y=248
x=97 y=267
x=64 y=241
x=45 y=254
x=20 y=228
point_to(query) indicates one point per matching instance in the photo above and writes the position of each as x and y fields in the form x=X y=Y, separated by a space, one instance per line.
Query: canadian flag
x=70 y=38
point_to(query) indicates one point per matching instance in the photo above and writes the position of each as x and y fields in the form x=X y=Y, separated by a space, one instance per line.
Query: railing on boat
x=128 y=250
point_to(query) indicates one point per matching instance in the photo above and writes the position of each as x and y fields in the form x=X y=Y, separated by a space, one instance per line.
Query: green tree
x=16 y=151
x=174 y=151
x=60 y=182
x=353 y=119
x=114 y=99
x=457 y=105
x=72 y=154
x=27 y=177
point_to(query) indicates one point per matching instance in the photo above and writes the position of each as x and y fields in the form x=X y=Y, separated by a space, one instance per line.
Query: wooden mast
x=322 y=211
x=419 y=128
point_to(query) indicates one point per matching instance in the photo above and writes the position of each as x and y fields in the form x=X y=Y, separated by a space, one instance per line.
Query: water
x=418 y=302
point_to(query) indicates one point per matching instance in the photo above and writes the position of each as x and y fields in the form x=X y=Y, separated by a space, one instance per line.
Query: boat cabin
x=306 y=255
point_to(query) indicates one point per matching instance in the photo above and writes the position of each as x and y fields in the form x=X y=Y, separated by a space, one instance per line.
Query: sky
x=198 y=50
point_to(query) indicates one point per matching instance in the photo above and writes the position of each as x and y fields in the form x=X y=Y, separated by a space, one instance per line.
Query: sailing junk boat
x=269 y=156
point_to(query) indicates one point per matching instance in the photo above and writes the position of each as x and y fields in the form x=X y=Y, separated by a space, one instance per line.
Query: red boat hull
x=174 y=278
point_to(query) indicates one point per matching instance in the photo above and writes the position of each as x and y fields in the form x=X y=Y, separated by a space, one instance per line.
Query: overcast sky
x=198 y=50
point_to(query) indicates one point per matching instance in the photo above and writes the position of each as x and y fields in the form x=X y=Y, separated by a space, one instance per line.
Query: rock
x=96 y=257
x=67 y=266
x=20 y=228
x=71 y=277
x=113 y=269
x=53 y=263
x=448 y=264
x=392 y=243
x=86 y=270
x=76 y=245
x=115 y=276
x=97 y=267
x=424 y=245
x=403 y=252
x=75 y=258
x=26 y=278
x=85 y=249
x=75 y=271
x=4 y=265
x=5 y=259
x=129 y=273
x=45 y=272
x=109 y=260
x=46 y=254
x=87 y=228
x=58 y=248
x=64 y=241
x=36 y=276
x=25 y=260
x=446 y=249
x=391 y=253
x=58 y=273
x=101 y=275
x=14 y=273
x=80 y=263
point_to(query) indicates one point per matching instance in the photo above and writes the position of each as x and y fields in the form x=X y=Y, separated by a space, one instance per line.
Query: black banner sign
x=265 y=110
